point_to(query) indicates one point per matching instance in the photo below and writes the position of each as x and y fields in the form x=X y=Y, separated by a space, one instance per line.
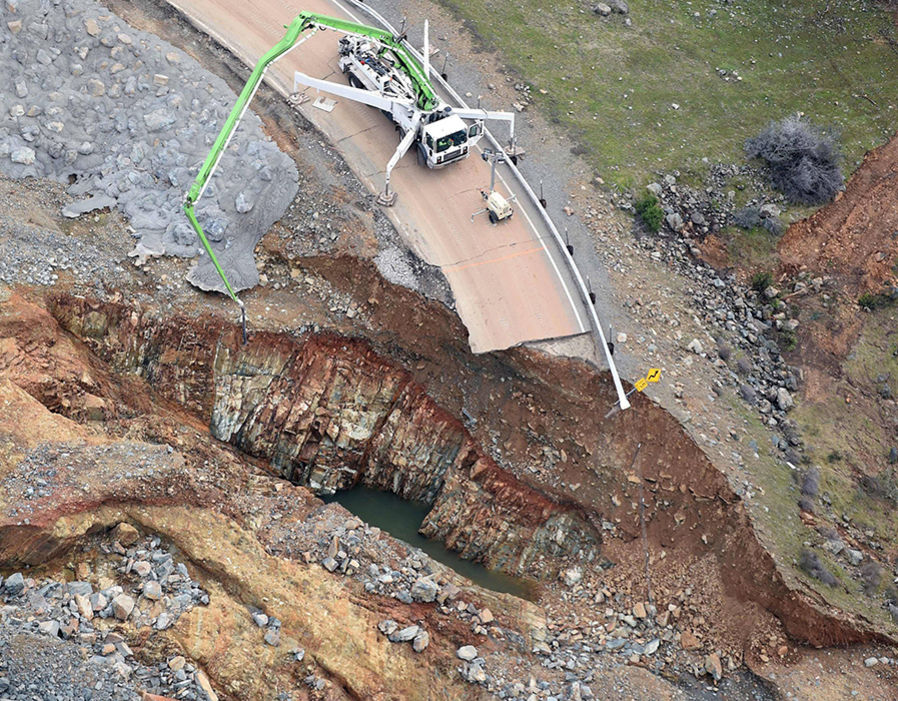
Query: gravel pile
x=68 y=640
x=126 y=120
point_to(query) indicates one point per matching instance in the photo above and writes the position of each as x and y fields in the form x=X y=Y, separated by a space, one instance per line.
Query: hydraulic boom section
x=384 y=73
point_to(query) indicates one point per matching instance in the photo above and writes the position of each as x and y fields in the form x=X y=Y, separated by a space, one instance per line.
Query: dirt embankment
x=855 y=238
x=853 y=243
x=143 y=363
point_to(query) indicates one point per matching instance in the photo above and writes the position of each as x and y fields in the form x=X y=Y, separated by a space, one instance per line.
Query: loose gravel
x=126 y=120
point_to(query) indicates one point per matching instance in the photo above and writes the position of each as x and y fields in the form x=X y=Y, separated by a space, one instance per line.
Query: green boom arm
x=426 y=100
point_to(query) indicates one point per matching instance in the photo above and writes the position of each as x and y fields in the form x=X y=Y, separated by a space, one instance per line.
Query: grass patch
x=614 y=87
x=650 y=212
x=870 y=301
x=754 y=249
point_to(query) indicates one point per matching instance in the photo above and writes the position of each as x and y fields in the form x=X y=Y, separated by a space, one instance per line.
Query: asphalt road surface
x=509 y=282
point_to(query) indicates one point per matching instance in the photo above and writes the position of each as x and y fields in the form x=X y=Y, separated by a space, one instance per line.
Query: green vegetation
x=788 y=340
x=654 y=96
x=650 y=212
x=761 y=281
x=871 y=301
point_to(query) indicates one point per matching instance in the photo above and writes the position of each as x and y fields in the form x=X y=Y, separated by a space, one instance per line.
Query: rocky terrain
x=160 y=533
x=125 y=120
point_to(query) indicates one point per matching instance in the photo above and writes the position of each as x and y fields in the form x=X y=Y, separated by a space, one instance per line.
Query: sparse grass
x=752 y=249
x=613 y=87
x=775 y=514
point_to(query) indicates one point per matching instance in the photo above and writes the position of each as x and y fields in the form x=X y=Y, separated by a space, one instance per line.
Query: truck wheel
x=354 y=82
x=493 y=218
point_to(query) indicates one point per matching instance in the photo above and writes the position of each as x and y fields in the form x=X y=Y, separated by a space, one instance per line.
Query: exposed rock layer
x=330 y=413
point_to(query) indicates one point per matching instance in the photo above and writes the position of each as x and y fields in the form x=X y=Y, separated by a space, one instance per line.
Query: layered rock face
x=329 y=413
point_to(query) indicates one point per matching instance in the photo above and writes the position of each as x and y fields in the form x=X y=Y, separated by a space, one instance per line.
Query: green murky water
x=401 y=520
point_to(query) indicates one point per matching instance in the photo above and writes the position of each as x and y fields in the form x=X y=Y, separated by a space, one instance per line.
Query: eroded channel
x=334 y=413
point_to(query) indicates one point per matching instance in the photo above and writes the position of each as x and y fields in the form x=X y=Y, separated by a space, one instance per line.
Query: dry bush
x=810 y=563
x=810 y=483
x=803 y=160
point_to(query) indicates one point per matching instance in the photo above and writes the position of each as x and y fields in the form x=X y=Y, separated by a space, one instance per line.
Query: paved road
x=509 y=283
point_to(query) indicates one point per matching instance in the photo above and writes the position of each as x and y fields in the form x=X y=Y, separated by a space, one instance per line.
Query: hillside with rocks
x=168 y=523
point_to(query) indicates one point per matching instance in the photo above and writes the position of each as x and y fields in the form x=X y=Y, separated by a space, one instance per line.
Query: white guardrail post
x=522 y=181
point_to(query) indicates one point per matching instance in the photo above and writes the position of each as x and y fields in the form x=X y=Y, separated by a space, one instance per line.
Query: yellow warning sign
x=641 y=384
x=654 y=375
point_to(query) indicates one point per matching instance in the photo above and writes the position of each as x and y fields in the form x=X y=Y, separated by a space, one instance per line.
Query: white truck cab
x=447 y=139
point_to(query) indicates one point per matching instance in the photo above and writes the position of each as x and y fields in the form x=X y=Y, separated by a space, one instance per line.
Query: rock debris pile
x=69 y=640
x=126 y=119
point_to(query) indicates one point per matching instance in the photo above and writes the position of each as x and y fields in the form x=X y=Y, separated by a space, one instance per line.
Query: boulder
x=466 y=653
x=242 y=203
x=14 y=584
x=421 y=641
x=783 y=399
x=159 y=119
x=713 y=667
x=405 y=634
x=122 y=606
x=425 y=589
x=152 y=590
x=674 y=221
x=22 y=155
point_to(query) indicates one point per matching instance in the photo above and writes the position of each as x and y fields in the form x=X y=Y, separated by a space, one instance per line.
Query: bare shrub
x=752 y=216
x=747 y=217
x=803 y=160
x=806 y=504
x=828 y=532
x=810 y=483
x=871 y=575
x=810 y=563
x=891 y=594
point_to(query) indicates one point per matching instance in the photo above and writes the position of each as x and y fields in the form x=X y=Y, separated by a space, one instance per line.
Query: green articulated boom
x=426 y=100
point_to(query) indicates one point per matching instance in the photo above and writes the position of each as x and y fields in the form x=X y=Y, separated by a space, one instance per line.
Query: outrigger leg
x=387 y=198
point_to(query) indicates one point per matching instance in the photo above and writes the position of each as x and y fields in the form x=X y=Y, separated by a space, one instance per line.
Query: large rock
x=152 y=590
x=159 y=119
x=96 y=87
x=122 y=606
x=783 y=399
x=619 y=6
x=674 y=221
x=23 y=155
x=14 y=584
x=425 y=589
x=124 y=533
x=421 y=641
x=713 y=667
x=243 y=204
x=466 y=653
x=405 y=634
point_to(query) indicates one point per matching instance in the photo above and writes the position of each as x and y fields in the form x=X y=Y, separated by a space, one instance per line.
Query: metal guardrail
x=528 y=190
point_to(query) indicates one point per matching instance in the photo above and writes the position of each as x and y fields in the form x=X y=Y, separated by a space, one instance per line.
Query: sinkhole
x=402 y=519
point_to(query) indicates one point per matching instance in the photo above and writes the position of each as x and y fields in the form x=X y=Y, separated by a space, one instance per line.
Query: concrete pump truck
x=382 y=72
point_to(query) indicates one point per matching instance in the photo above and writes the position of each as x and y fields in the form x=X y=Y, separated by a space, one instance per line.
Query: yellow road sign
x=641 y=384
x=654 y=375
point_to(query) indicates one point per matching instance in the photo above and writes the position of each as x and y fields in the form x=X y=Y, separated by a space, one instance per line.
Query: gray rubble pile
x=126 y=120
x=68 y=640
